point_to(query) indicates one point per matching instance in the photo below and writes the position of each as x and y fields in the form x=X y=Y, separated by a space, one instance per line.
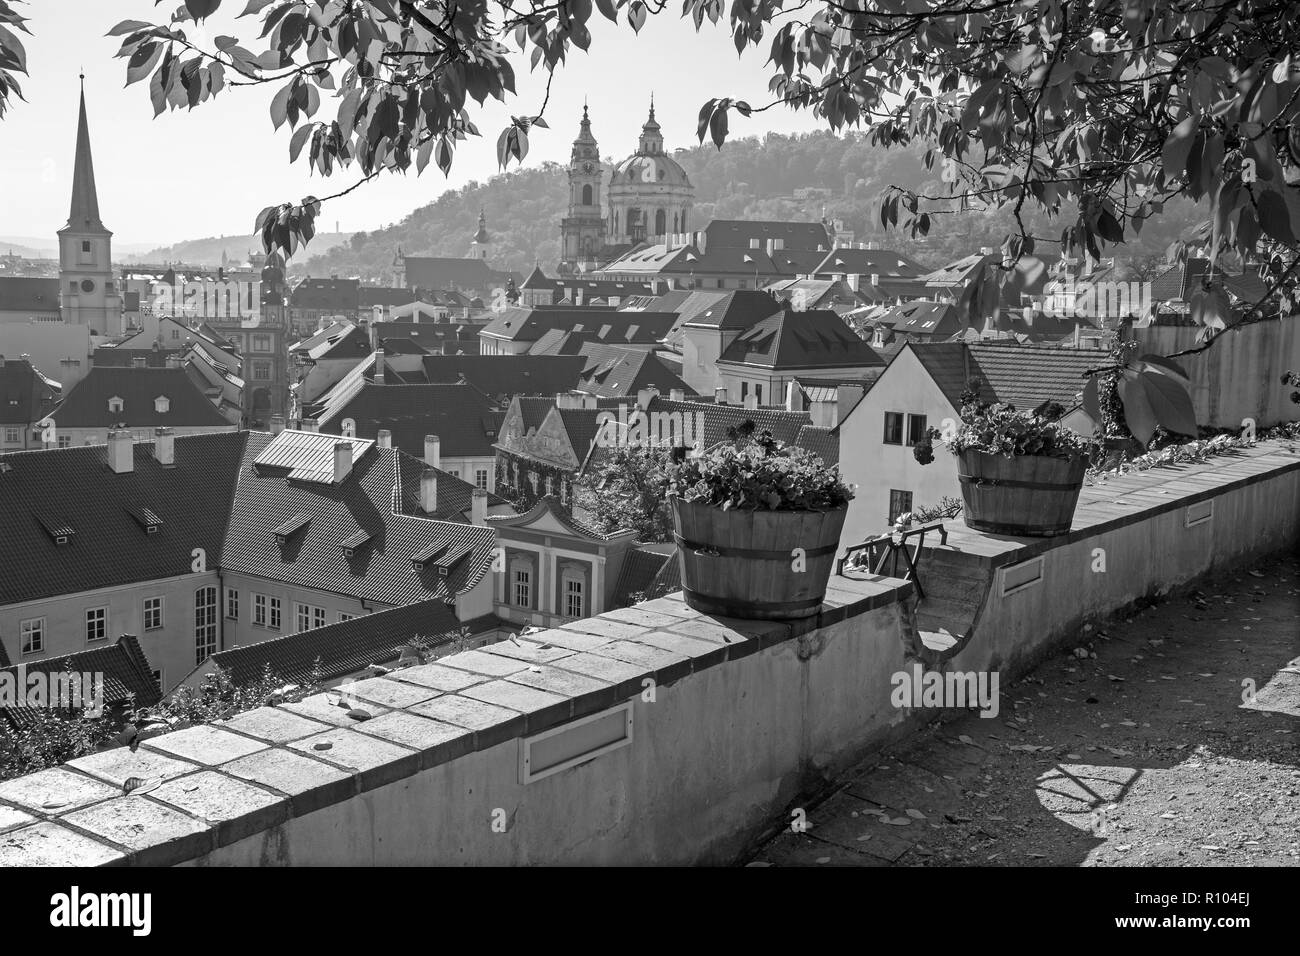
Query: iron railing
x=890 y=548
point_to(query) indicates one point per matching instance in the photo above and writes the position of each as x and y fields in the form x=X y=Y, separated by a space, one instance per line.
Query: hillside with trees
x=747 y=179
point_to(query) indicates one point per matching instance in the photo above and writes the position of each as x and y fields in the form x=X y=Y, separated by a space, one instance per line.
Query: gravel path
x=1136 y=747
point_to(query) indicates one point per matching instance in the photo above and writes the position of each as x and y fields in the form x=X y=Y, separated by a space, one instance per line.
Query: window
x=758 y=393
x=162 y=404
x=523 y=591
x=205 y=624
x=573 y=605
x=900 y=502
x=345 y=617
x=153 y=613
x=274 y=614
x=744 y=391
x=454 y=472
x=308 y=616
x=32 y=635
x=481 y=477
x=232 y=604
x=893 y=428
x=65 y=441
x=261 y=343
x=96 y=623
x=158 y=679
x=115 y=404
x=85 y=245
x=915 y=428
x=262 y=371
x=11 y=435
x=259 y=610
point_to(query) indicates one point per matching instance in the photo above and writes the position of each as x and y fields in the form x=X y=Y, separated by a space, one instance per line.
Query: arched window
x=661 y=223
x=586 y=195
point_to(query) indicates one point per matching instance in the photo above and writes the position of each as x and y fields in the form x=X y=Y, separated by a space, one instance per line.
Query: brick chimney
x=478 y=507
x=379 y=366
x=277 y=424
x=385 y=438
x=432 y=451
x=677 y=394
x=164 y=447
x=720 y=395
x=429 y=491
x=121 y=452
x=342 y=460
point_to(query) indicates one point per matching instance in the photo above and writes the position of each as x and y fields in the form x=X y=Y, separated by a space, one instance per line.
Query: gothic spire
x=83 y=214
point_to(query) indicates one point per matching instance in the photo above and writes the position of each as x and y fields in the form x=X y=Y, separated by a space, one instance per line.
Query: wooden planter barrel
x=1025 y=495
x=740 y=563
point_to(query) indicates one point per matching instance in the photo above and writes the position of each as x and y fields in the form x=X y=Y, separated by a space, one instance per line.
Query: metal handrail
x=895 y=543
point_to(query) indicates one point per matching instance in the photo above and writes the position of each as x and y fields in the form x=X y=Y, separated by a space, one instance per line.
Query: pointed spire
x=83 y=213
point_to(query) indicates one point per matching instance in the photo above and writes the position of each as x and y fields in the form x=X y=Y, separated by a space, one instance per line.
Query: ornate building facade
x=649 y=195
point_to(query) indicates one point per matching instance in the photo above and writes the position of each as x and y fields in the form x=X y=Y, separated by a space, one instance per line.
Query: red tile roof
x=127 y=674
x=86 y=406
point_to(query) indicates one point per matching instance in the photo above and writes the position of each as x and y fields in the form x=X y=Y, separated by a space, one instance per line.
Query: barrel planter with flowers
x=1020 y=472
x=757 y=525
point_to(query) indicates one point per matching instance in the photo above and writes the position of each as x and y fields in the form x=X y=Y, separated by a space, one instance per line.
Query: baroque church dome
x=650 y=194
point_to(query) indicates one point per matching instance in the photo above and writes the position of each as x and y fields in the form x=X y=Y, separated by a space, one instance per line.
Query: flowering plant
x=760 y=473
x=998 y=429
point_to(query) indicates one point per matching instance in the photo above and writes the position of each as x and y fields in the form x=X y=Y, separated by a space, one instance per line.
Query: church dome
x=652 y=169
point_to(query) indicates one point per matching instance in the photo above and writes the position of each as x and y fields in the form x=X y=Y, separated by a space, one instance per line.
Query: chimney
x=822 y=414
x=432 y=451
x=310 y=425
x=174 y=360
x=385 y=438
x=720 y=395
x=751 y=401
x=429 y=491
x=854 y=280
x=588 y=401
x=164 y=447
x=277 y=424
x=121 y=452
x=478 y=507
x=677 y=394
x=379 y=366
x=644 y=395
x=875 y=278
x=793 y=397
x=342 y=460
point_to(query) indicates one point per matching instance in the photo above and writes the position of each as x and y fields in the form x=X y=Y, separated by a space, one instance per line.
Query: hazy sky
x=207 y=172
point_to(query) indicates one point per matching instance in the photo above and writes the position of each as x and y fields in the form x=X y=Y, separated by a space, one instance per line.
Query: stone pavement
x=1169 y=737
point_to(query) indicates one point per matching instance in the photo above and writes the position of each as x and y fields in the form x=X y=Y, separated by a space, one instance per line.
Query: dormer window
x=289 y=529
x=115 y=404
x=162 y=404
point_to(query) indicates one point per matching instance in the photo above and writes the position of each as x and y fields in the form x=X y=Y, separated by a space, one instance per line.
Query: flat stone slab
x=309 y=784
x=118 y=765
x=11 y=817
x=834 y=822
x=49 y=844
x=479 y=662
x=439 y=677
x=325 y=708
x=159 y=834
x=205 y=744
x=56 y=791
x=530 y=652
x=464 y=712
x=375 y=761
x=387 y=693
x=236 y=808
x=424 y=734
x=274 y=725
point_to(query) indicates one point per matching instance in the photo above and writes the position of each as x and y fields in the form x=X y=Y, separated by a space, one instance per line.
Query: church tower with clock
x=582 y=231
x=88 y=294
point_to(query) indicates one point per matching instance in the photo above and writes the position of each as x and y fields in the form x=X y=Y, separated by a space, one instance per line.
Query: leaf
x=718 y=127
x=1170 y=402
x=299 y=139
x=280 y=105
x=1166 y=365
x=128 y=26
x=607 y=8
x=1139 y=417
x=202 y=9
x=142 y=61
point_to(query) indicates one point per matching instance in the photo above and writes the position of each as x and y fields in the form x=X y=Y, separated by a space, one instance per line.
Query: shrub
x=760 y=474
